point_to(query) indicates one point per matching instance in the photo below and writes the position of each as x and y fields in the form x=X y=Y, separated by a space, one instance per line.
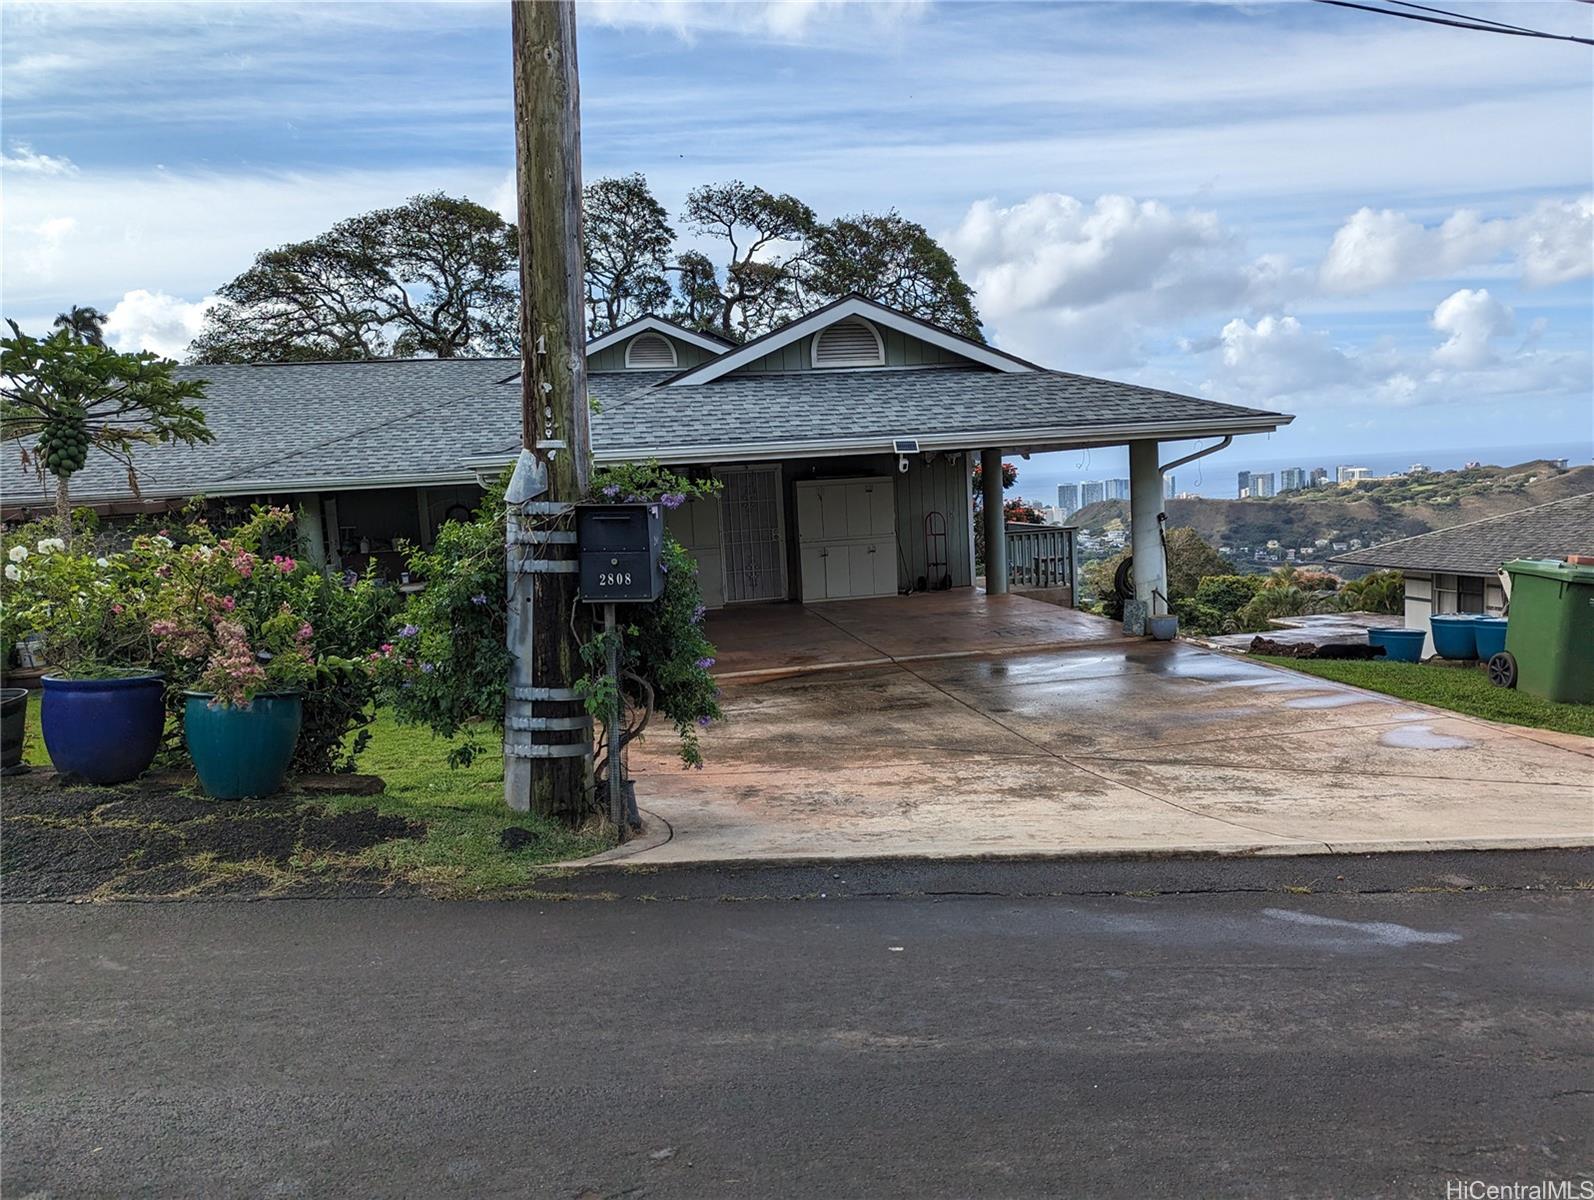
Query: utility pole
x=547 y=734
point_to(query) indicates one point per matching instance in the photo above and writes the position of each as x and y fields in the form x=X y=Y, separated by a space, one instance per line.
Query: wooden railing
x=1041 y=556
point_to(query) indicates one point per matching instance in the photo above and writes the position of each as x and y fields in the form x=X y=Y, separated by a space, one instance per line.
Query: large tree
x=71 y=396
x=895 y=261
x=626 y=237
x=764 y=237
x=436 y=276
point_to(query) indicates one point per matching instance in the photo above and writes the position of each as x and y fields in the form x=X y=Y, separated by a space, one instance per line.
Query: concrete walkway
x=1118 y=748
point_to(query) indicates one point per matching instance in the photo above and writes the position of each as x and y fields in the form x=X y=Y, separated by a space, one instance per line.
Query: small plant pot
x=1489 y=635
x=241 y=752
x=13 y=727
x=1400 y=645
x=1163 y=628
x=103 y=730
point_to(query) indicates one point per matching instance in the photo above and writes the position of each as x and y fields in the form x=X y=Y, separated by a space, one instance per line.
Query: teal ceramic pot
x=240 y=752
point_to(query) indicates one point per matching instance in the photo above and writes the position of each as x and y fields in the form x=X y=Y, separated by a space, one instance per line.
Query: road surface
x=1238 y=1044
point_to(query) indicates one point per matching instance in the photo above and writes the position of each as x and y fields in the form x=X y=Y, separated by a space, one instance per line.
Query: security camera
x=902 y=465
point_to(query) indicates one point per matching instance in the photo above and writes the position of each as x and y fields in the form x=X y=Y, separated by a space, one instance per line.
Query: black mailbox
x=619 y=546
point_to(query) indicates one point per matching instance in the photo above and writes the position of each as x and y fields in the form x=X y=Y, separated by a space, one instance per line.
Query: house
x=846 y=441
x=1458 y=569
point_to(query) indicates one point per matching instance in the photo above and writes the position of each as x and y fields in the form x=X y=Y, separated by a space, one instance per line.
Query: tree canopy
x=83 y=322
x=435 y=276
x=626 y=241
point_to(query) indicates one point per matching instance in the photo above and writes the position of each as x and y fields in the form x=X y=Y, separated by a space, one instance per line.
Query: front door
x=755 y=552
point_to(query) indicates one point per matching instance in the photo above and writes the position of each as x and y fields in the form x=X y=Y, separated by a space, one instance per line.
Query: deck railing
x=1041 y=556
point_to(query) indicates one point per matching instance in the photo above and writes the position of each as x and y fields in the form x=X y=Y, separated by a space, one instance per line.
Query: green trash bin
x=1551 y=630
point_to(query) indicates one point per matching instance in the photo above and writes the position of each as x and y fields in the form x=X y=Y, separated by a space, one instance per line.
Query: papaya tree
x=69 y=396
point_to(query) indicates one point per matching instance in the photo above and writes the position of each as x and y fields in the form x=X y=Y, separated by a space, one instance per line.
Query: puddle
x=1385 y=933
x=1332 y=700
x=1422 y=737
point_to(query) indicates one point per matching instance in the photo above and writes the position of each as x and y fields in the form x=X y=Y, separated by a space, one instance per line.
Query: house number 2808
x=614 y=578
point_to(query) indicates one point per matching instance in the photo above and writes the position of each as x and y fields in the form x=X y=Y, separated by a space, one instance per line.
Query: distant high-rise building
x=1090 y=493
x=1319 y=476
x=1292 y=479
x=1068 y=497
x=1245 y=484
x=1345 y=474
x=1262 y=485
x=1170 y=487
x=1115 y=489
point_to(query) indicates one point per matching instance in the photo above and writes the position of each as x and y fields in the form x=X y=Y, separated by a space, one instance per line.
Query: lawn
x=1459 y=689
x=462 y=810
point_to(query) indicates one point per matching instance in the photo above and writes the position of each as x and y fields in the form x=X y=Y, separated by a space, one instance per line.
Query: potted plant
x=230 y=629
x=102 y=713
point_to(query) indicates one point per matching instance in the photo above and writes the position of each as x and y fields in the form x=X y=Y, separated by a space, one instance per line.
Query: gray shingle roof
x=1550 y=530
x=293 y=427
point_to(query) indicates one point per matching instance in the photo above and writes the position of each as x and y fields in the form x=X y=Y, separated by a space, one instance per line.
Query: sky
x=1383 y=227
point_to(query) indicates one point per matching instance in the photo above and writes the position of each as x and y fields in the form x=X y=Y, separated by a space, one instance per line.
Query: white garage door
x=847 y=534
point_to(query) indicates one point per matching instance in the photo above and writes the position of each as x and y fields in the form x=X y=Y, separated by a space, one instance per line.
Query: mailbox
x=619 y=546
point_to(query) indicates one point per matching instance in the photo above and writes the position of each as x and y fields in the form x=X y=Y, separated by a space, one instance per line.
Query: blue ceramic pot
x=1400 y=645
x=1454 y=635
x=1489 y=635
x=240 y=752
x=105 y=730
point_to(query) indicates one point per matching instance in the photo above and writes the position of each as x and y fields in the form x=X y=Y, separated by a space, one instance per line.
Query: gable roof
x=1479 y=547
x=852 y=305
x=711 y=342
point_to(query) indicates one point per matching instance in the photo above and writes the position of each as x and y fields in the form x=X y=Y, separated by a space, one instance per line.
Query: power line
x=1463 y=16
x=1462 y=23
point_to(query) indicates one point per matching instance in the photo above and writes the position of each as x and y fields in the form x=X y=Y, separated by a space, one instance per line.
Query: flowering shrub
x=447 y=664
x=84 y=607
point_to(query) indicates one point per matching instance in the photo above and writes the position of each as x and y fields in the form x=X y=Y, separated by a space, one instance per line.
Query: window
x=650 y=352
x=1458 y=594
x=852 y=342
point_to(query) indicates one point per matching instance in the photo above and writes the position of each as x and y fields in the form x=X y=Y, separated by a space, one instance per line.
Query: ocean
x=1216 y=476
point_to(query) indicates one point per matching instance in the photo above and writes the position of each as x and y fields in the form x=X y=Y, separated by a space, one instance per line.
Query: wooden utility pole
x=547 y=736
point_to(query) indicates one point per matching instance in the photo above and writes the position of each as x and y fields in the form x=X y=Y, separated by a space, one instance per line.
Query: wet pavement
x=1136 y=747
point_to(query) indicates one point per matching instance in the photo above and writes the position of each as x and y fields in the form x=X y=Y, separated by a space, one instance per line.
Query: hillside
x=1377 y=511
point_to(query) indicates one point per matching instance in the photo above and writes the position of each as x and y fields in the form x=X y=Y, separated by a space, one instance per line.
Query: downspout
x=1179 y=462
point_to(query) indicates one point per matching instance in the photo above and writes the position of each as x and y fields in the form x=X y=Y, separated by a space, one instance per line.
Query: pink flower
x=117 y=609
x=304 y=632
x=228 y=603
x=164 y=570
x=244 y=563
x=284 y=564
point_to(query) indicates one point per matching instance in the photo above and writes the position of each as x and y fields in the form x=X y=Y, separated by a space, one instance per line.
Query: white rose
x=49 y=545
x=102 y=562
x=17 y=553
x=13 y=572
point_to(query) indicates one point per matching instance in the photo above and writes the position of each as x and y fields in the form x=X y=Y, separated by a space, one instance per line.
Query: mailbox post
x=619 y=547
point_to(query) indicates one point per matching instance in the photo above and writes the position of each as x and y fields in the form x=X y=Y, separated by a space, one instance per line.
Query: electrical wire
x=1464 y=23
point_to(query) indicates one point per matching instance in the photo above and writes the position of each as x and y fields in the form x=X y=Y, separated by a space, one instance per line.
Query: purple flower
x=427 y=668
x=611 y=490
x=479 y=598
x=672 y=499
x=705 y=722
x=698 y=614
x=409 y=631
x=704 y=664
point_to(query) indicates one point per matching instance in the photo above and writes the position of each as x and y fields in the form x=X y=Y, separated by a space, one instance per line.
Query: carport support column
x=1145 y=511
x=995 y=522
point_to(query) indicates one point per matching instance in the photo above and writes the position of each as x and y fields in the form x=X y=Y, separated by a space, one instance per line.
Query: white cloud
x=781 y=20
x=24 y=157
x=1278 y=356
x=145 y=320
x=1471 y=319
x=1552 y=243
x=40 y=247
x=1055 y=272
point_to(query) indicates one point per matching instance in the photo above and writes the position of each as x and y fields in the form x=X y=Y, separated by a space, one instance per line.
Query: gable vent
x=852 y=342
x=649 y=352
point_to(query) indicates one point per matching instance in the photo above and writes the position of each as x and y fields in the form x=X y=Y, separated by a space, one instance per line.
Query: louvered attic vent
x=650 y=352
x=852 y=342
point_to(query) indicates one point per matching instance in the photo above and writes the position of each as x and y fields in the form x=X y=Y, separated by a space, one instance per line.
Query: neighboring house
x=1458 y=569
x=846 y=442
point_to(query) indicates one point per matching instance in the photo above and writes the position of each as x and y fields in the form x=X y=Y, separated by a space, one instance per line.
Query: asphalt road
x=1236 y=1044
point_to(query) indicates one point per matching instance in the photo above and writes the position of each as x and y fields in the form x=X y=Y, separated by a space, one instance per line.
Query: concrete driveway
x=1112 y=748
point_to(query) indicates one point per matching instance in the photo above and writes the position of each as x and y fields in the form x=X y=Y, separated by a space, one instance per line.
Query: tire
x=1123 y=579
x=1503 y=670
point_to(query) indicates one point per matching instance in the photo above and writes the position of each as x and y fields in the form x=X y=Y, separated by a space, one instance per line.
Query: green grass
x=1459 y=689
x=463 y=810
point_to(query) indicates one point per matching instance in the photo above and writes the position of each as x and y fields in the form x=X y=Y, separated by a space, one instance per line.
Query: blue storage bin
x=1400 y=645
